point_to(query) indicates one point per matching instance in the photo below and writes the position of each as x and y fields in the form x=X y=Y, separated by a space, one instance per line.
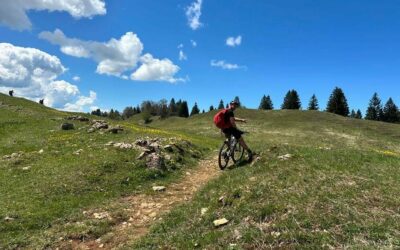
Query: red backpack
x=219 y=119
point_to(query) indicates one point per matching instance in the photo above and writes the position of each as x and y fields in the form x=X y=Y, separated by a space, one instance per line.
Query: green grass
x=340 y=189
x=59 y=185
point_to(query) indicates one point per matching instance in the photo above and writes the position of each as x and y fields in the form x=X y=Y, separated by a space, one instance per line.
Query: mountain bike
x=230 y=149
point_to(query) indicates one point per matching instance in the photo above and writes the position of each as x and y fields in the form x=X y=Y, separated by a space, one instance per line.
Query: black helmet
x=234 y=103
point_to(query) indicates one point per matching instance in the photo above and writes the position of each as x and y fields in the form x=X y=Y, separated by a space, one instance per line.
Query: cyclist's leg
x=238 y=135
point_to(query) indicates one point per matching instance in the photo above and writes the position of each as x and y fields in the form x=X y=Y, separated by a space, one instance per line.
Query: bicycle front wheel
x=238 y=152
x=224 y=155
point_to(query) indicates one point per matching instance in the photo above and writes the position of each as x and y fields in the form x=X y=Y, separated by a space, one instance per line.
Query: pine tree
x=183 y=110
x=337 y=103
x=211 y=108
x=358 y=114
x=237 y=100
x=195 y=110
x=353 y=114
x=266 y=103
x=138 y=110
x=313 y=104
x=221 y=105
x=391 y=112
x=269 y=105
x=203 y=111
x=374 y=111
x=291 y=100
x=227 y=106
x=172 y=108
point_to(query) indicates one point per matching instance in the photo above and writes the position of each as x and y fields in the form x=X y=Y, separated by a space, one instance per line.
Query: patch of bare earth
x=146 y=209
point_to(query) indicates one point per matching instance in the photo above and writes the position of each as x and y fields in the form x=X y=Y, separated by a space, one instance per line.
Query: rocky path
x=147 y=209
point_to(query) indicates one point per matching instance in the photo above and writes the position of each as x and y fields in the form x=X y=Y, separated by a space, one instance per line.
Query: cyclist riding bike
x=226 y=121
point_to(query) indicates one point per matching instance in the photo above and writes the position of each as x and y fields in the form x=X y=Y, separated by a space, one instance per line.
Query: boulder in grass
x=67 y=126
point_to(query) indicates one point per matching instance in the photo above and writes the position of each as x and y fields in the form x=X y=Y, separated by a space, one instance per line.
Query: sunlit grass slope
x=340 y=187
x=49 y=185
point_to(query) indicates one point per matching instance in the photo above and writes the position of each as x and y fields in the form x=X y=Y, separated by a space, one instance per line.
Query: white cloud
x=182 y=56
x=180 y=46
x=83 y=101
x=234 y=41
x=13 y=13
x=33 y=74
x=115 y=57
x=224 y=65
x=194 y=43
x=193 y=13
x=76 y=78
x=153 y=69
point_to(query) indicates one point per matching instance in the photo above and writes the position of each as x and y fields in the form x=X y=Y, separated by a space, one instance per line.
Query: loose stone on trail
x=159 y=188
x=220 y=222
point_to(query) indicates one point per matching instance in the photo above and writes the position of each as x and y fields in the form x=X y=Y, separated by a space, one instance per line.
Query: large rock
x=155 y=161
x=115 y=129
x=99 y=124
x=67 y=126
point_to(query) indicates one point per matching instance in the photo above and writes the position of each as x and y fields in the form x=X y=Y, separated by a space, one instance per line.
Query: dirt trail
x=146 y=209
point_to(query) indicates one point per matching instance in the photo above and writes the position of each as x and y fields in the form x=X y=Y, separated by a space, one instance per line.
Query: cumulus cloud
x=115 y=57
x=33 y=74
x=224 y=65
x=153 y=69
x=234 y=41
x=194 y=43
x=76 y=78
x=13 y=12
x=193 y=13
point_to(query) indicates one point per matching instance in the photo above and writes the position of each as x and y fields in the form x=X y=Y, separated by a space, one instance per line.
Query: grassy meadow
x=337 y=189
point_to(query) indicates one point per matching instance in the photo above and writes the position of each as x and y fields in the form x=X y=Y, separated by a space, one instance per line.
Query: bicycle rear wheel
x=223 y=156
x=238 y=152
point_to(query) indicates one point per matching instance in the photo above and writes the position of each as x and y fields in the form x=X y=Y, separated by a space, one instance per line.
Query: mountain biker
x=228 y=125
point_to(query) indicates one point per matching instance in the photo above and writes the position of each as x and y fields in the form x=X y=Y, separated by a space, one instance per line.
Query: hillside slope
x=49 y=177
x=337 y=189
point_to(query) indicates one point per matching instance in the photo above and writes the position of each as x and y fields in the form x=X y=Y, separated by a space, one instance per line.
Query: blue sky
x=310 y=46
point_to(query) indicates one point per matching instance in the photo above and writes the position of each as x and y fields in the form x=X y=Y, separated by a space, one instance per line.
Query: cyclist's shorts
x=232 y=131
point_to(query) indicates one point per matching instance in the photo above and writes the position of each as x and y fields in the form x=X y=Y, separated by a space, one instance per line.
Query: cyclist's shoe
x=250 y=155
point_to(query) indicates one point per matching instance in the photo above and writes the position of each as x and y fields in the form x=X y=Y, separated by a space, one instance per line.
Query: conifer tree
x=313 y=104
x=221 y=105
x=291 y=100
x=195 y=110
x=266 y=103
x=358 y=114
x=227 y=105
x=172 y=107
x=337 y=103
x=183 y=110
x=237 y=100
x=391 y=112
x=203 y=111
x=353 y=114
x=374 y=111
x=211 y=108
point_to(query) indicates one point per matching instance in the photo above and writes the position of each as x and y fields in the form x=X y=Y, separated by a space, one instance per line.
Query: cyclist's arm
x=239 y=119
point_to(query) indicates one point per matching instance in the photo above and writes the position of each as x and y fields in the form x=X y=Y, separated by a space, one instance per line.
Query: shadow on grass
x=240 y=164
